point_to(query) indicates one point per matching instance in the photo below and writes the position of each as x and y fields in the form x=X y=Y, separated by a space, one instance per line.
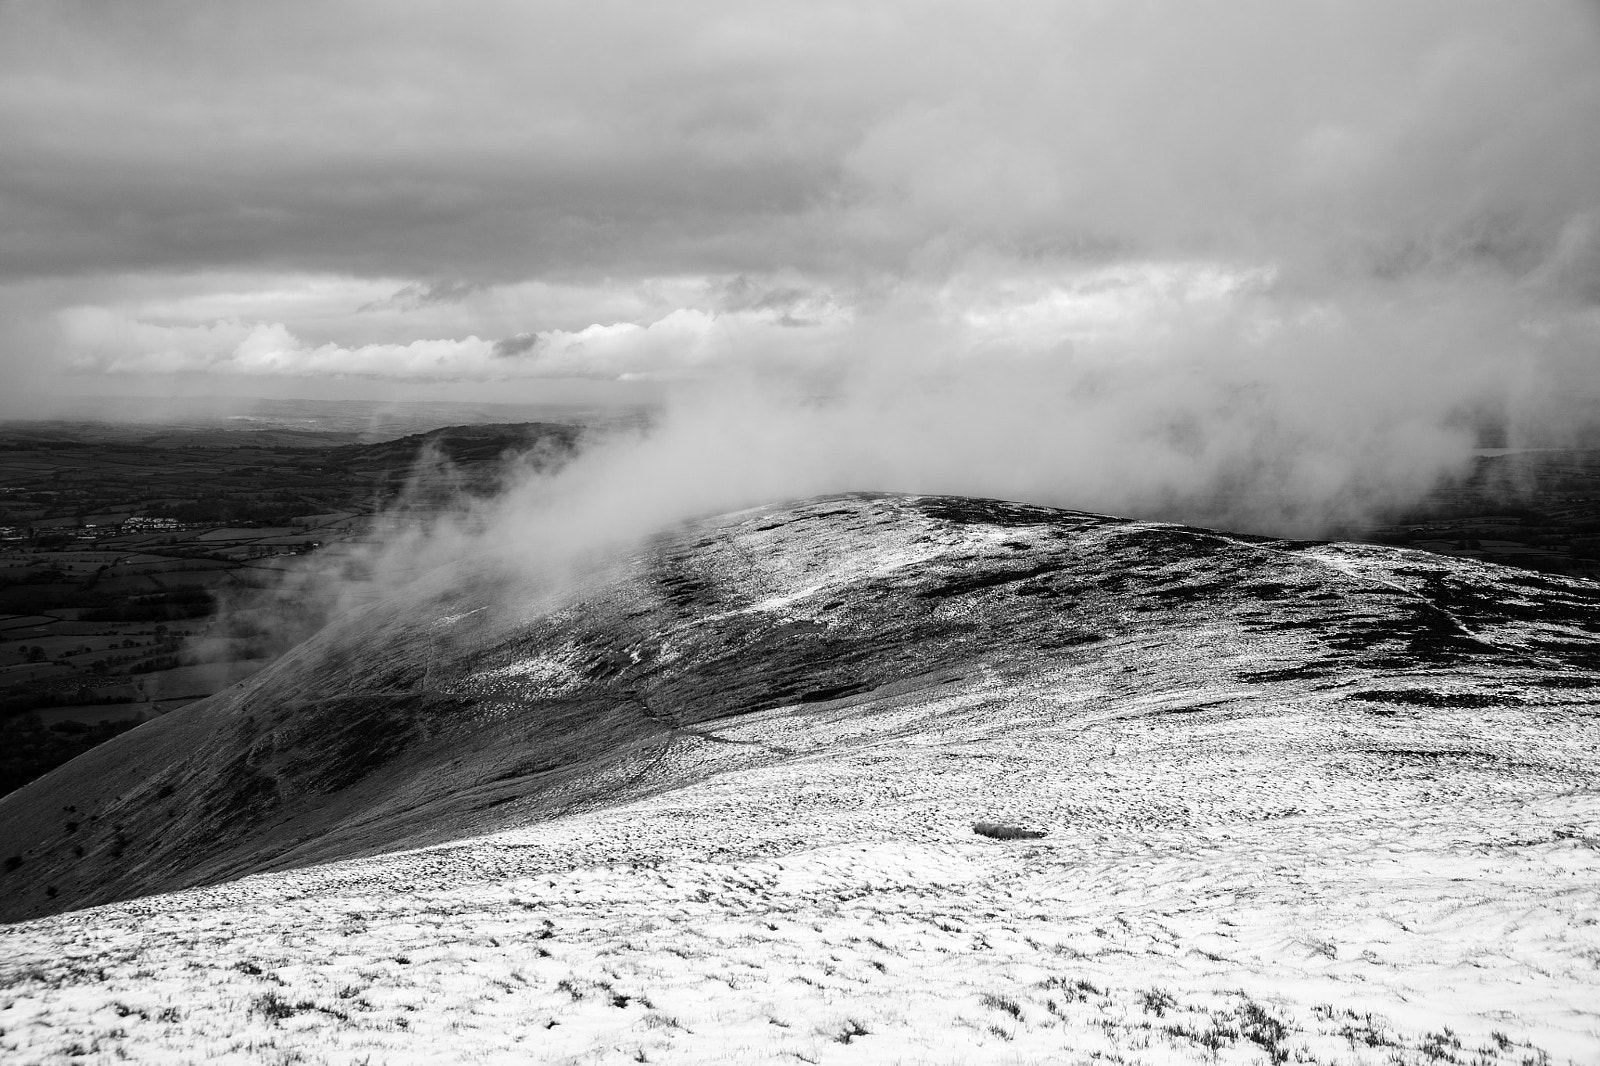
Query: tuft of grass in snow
x=851 y=1030
x=1004 y=1004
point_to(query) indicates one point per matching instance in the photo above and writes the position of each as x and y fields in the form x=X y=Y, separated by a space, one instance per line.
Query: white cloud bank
x=678 y=343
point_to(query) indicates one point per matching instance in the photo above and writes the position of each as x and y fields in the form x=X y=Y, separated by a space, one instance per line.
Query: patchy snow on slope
x=1347 y=815
x=544 y=674
x=1232 y=894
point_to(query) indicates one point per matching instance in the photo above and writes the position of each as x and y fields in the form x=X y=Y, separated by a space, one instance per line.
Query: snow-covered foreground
x=1301 y=804
x=1245 y=886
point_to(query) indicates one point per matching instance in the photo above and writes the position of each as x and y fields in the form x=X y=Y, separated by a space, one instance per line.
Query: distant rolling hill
x=1254 y=763
x=463 y=445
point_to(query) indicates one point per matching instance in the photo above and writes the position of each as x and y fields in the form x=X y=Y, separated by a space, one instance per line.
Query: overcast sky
x=498 y=199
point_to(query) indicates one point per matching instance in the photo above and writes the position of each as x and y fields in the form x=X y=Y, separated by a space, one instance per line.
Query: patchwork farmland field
x=119 y=545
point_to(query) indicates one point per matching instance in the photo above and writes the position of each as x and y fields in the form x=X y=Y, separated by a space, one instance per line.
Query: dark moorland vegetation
x=1539 y=510
x=116 y=547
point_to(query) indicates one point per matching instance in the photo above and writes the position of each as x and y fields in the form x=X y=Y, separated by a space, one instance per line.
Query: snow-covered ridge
x=1302 y=803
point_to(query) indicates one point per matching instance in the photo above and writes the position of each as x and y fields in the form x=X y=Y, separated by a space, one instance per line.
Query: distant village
x=137 y=525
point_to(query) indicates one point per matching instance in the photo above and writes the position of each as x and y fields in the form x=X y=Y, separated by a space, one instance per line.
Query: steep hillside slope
x=1328 y=802
x=453 y=711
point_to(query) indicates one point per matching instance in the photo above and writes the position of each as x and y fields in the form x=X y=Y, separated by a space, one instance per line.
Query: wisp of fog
x=1279 y=413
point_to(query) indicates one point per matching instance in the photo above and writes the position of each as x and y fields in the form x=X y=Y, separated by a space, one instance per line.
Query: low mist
x=1278 y=409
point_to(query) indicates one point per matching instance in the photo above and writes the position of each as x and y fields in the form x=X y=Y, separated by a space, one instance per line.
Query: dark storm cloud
x=500 y=141
x=380 y=138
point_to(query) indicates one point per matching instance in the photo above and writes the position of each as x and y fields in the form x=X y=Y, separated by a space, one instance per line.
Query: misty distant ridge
x=363 y=421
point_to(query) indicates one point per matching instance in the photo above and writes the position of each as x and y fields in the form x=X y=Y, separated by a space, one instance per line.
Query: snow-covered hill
x=1301 y=802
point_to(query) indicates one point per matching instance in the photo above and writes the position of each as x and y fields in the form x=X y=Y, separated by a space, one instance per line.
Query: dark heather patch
x=1562 y=682
x=1070 y=640
x=1304 y=671
x=1422 y=697
x=331 y=744
x=834 y=692
x=1579 y=610
x=1165 y=544
x=1542 y=584
x=1190 y=592
x=1583 y=654
x=960 y=585
x=817 y=516
x=684 y=591
x=1275 y=625
x=960 y=510
x=241 y=795
x=1219 y=535
x=1423 y=753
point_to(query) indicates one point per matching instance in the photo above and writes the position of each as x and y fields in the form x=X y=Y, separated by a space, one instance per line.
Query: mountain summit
x=1290 y=798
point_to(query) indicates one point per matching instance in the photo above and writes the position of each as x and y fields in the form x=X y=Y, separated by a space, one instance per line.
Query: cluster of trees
x=223 y=509
x=165 y=659
x=29 y=749
x=151 y=666
x=17 y=701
